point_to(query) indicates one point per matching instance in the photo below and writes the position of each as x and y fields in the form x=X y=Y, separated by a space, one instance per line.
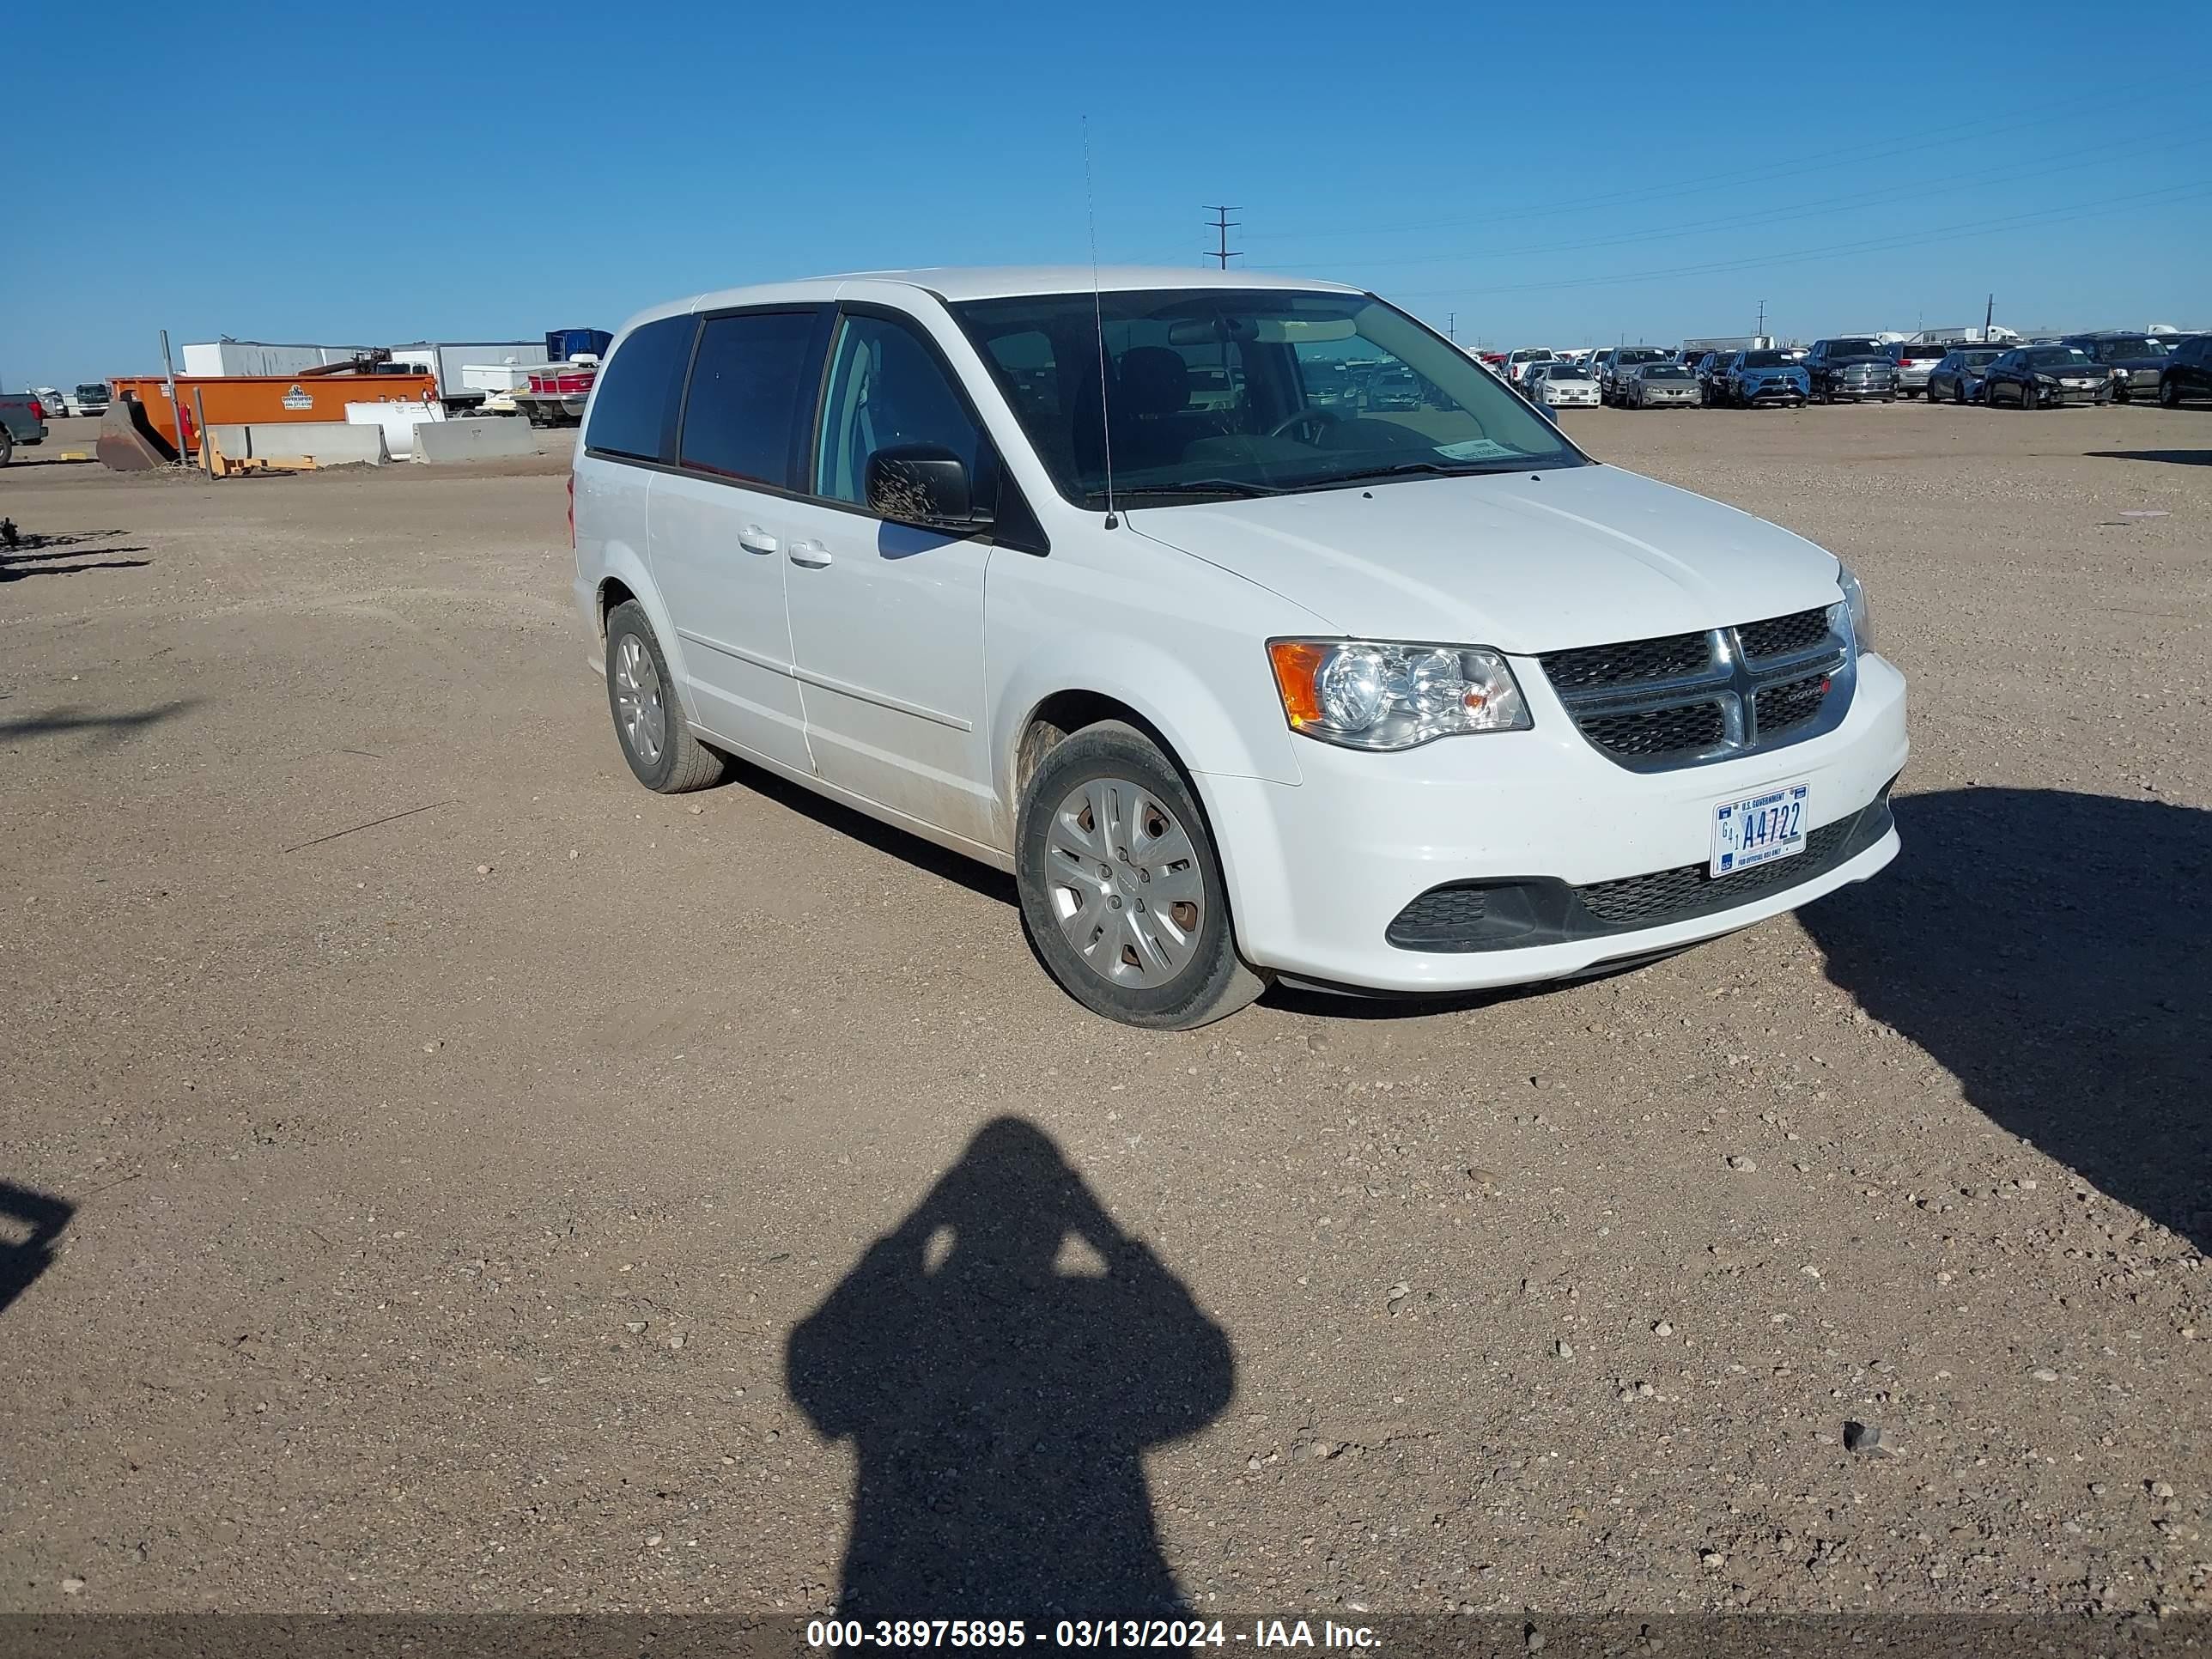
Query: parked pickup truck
x=23 y=421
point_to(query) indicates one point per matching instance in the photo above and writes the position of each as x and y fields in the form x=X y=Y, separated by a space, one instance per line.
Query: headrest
x=1155 y=380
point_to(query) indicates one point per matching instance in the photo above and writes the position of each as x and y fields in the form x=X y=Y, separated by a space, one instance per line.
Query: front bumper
x=1773 y=391
x=1319 y=871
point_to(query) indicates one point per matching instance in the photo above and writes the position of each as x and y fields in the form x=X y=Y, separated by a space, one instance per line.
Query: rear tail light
x=38 y=410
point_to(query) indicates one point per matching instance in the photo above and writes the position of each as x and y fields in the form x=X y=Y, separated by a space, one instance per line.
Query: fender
x=620 y=562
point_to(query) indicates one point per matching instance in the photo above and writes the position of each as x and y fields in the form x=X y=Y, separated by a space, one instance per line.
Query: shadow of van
x=2049 y=948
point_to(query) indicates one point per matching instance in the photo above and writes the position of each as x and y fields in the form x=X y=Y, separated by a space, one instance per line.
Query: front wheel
x=2169 y=396
x=1121 y=888
x=7 y=446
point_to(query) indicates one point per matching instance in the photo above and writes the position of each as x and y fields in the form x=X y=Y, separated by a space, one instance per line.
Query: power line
x=1222 y=224
x=1552 y=207
x=1833 y=250
x=1884 y=196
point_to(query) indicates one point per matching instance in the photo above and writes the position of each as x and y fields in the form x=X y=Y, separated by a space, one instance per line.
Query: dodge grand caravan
x=1123 y=583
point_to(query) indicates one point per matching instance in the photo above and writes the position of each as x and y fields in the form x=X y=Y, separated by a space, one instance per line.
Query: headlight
x=1365 y=693
x=1855 y=604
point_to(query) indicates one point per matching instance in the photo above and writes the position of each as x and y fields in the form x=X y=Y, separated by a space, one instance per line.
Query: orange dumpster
x=259 y=399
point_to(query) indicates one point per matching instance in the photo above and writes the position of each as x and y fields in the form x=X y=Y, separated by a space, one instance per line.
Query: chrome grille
x=1692 y=699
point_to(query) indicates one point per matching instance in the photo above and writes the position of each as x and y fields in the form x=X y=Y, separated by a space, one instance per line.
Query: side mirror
x=924 y=484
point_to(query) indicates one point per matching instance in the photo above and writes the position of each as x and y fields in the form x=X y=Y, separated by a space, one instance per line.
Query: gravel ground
x=463 y=1180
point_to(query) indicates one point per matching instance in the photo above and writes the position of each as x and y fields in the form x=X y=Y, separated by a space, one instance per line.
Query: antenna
x=1098 y=315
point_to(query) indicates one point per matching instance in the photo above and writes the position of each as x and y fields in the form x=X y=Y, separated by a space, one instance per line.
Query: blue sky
x=1545 y=174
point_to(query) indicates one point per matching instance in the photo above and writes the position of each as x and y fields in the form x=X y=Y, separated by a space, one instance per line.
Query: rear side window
x=753 y=387
x=634 y=407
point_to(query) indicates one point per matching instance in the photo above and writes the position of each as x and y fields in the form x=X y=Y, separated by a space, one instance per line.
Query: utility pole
x=1222 y=225
x=1451 y=326
x=1760 y=330
x=1989 y=314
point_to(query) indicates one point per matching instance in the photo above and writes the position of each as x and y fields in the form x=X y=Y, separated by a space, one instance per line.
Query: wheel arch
x=621 y=576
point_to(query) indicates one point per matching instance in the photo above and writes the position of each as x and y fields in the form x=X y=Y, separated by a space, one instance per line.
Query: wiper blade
x=1441 y=468
x=1205 y=487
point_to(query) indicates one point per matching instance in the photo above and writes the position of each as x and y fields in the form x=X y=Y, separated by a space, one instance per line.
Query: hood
x=1526 y=563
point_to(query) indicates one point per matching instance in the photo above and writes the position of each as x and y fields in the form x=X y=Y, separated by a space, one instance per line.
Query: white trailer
x=454 y=361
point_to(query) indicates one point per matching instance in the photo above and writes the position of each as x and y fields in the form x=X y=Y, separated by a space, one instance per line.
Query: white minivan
x=1255 y=629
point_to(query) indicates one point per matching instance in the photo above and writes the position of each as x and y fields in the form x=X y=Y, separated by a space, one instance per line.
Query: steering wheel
x=1309 y=421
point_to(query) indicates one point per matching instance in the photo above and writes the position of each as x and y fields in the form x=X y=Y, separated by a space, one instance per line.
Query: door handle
x=812 y=555
x=758 y=540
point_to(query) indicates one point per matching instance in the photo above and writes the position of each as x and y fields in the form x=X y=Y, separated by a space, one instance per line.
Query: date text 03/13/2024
x=1084 y=1633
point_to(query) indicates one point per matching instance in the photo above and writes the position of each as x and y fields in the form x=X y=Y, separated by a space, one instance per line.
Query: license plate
x=1759 y=828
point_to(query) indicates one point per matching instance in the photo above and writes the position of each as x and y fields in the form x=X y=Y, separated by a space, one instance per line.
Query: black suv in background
x=2187 y=376
x=1851 y=366
x=2136 y=360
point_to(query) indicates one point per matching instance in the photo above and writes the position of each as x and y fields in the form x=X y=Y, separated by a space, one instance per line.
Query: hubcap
x=638 y=709
x=1124 y=882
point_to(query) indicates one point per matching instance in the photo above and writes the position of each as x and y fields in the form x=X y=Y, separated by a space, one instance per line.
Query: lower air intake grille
x=1669 y=895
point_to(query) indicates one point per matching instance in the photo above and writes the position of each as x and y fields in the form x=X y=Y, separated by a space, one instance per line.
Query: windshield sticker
x=1477 y=449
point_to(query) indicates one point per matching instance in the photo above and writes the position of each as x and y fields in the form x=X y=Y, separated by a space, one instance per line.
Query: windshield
x=1627 y=355
x=1325 y=389
x=1853 y=348
x=2056 y=357
x=1767 y=359
x=2132 y=345
x=1666 y=371
x=93 y=389
x=1528 y=355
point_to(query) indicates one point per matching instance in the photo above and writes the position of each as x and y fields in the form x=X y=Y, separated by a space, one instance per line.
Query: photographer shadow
x=1001 y=1360
x=2050 y=950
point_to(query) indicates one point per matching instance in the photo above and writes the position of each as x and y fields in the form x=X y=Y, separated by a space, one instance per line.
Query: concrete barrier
x=482 y=439
x=327 y=443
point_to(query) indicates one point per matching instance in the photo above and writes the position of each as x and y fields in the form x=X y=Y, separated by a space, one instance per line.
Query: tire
x=1177 y=967
x=7 y=446
x=1958 y=393
x=2029 y=398
x=649 y=725
x=2169 y=394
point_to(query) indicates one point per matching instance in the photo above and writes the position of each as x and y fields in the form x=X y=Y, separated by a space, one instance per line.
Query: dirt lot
x=457 y=1136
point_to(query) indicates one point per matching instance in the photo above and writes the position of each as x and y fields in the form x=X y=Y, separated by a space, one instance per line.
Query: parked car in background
x=1561 y=385
x=1414 y=703
x=1910 y=364
x=23 y=421
x=1711 y=370
x=92 y=398
x=1615 y=359
x=1755 y=379
x=1852 y=367
x=2041 y=377
x=1958 y=378
x=2134 y=359
x=2187 y=376
x=1518 y=362
x=1656 y=385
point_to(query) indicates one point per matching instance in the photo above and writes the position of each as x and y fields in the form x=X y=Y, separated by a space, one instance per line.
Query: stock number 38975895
x=1013 y=1633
